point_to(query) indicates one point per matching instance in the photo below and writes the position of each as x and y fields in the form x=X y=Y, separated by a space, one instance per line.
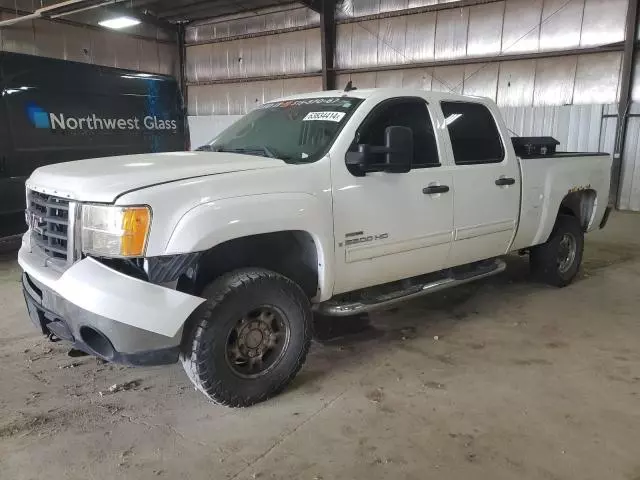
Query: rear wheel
x=249 y=339
x=557 y=261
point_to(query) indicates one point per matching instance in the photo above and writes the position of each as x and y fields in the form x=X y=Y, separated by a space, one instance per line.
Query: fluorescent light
x=138 y=76
x=119 y=22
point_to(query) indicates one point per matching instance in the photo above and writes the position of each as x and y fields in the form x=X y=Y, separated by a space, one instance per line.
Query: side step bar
x=344 y=309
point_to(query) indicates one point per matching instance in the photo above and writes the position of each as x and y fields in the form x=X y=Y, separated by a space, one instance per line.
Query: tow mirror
x=395 y=157
x=398 y=143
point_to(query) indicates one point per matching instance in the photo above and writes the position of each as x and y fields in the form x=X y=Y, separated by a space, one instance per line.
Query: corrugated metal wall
x=240 y=48
x=239 y=98
x=152 y=52
x=587 y=128
x=273 y=19
x=495 y=28
x=282 y=54
x=498 y=28
x=563 y=86
x=579 y=79
x=630 y=185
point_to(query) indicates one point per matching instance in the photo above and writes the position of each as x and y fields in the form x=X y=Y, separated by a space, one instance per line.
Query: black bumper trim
x=51 y=322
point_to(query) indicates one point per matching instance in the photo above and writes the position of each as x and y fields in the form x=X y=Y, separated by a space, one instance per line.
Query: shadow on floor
x=9 y=248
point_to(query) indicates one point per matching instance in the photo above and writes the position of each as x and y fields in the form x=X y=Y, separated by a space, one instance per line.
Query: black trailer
x=55 y=111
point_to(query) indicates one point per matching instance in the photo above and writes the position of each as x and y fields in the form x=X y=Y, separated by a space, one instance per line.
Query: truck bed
x=565 y=155
x=548 y=180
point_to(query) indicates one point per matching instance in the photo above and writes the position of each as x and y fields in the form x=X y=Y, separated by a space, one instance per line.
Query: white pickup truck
x=335 y=202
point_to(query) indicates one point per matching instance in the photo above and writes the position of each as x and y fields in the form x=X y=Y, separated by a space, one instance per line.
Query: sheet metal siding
x=578 y=79
x=485 y=29
x=451 y=33
x=100 y=47
x=358 y=8
x=576 y=127
x=294 y=17
x=240 y=98
x=509 y=27
x=281 y=54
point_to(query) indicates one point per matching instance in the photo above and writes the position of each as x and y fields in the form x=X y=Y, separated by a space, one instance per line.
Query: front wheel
x=557 y=261
x=249 y=339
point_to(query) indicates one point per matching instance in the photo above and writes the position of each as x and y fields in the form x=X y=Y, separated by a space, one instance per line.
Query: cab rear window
x=474 y=135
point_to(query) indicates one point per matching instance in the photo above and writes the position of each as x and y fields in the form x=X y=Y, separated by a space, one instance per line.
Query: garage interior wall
x=553 y=66
x=145 y=48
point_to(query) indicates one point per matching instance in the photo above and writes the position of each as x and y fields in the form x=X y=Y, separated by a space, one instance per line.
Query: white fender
x=213 y=223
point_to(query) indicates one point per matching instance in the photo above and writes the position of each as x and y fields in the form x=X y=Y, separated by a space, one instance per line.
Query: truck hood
x=105 y=179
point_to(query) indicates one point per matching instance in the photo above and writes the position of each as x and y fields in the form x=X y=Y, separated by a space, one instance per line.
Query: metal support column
x=182 y=60
x=624 y=104
x=328 y=43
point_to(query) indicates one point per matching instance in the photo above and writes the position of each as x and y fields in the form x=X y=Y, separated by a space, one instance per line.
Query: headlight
x=114 y=231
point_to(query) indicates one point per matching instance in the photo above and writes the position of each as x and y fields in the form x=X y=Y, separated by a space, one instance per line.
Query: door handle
x=503 y=181
x=433 y=189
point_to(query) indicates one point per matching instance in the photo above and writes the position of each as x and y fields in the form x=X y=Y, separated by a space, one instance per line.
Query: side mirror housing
x=360 y=162
x=395 y=157
x=398 y=142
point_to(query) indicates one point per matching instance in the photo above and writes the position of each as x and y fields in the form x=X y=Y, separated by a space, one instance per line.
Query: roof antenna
x=350 y=87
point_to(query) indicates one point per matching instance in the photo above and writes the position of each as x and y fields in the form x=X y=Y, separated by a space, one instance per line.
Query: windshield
x=296 y=131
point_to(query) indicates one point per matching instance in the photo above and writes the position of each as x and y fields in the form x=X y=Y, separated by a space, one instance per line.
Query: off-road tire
x=544 y=261
x=204 y=346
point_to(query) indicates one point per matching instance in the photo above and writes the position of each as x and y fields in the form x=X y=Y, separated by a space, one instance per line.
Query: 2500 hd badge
x=361 y=238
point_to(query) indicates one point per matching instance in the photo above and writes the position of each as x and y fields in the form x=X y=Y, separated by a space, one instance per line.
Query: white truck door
x=486 y=181
x=390 y=226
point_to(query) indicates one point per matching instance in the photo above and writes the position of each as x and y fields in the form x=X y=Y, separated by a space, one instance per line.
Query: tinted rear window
x=474 y=134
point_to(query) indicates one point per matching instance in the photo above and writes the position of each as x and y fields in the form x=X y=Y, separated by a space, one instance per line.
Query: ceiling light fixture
x=119 y=22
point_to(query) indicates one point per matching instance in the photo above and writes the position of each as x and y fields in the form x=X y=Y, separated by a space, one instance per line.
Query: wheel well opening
x=289 y=253
x=580 y=205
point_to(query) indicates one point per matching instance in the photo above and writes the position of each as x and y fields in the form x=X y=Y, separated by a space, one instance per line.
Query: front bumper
x=104 y=312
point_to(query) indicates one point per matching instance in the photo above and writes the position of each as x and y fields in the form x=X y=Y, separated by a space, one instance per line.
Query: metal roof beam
x=328 y=43
x=315 y=5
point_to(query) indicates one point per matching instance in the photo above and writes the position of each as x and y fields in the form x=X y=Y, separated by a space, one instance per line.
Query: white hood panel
x=105 y=179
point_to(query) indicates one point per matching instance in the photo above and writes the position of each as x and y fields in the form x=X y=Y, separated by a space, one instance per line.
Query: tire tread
x=543 y=257
x=200 y=372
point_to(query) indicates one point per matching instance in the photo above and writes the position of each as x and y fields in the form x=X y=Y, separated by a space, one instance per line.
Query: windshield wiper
x=205 y=148
x=263 y=151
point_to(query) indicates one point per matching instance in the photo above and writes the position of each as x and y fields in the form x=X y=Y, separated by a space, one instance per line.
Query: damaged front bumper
x=104 y=312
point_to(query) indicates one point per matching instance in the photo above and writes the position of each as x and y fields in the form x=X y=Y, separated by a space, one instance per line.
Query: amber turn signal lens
x=135 y=226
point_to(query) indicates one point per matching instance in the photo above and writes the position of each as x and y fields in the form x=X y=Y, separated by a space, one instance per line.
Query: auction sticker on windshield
x=325 y=116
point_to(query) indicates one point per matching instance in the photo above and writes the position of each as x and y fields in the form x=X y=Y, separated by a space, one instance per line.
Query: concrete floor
x=501 y=379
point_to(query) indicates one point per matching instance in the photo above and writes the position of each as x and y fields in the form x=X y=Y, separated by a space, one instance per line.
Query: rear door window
x=475 y=137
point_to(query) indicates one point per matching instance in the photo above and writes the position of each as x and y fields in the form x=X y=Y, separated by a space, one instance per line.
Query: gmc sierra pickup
x=335 y=202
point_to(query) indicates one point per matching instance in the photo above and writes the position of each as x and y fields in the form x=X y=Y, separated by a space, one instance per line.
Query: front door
x=390 y=226
x=486 y=181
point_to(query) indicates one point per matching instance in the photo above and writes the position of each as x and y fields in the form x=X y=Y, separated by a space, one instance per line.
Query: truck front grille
x=49 y=221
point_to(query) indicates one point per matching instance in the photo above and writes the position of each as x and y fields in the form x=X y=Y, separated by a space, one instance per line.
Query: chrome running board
x=343 y=309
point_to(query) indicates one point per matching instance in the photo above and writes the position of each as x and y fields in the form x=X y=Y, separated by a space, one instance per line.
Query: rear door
x=486 y=181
